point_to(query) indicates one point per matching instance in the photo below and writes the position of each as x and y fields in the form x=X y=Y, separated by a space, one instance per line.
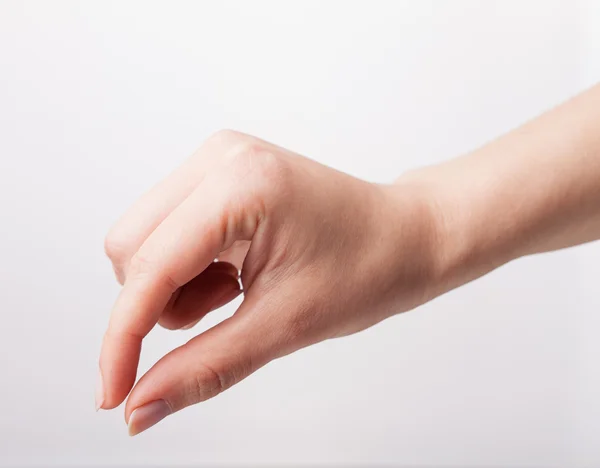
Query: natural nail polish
x=99 y=392
x=147 y=416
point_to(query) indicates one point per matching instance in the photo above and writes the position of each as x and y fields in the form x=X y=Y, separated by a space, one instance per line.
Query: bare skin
x=323 y=254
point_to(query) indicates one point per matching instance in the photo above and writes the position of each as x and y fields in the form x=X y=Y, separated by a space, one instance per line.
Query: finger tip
x=117 y=376
x=112 y=401
x=132 y=431
x=99 y=395
x=99 y=403
x=146 y=416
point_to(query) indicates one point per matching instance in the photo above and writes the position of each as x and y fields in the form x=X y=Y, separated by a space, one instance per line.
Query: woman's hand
x=321 y=255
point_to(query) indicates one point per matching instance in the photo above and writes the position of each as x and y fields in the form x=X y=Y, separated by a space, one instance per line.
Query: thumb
x=205 y=366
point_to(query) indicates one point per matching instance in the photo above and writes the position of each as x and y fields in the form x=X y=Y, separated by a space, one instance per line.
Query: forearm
x=533 y=190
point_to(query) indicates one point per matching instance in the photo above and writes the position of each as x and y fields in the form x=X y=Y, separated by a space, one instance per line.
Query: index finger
x=179 y=249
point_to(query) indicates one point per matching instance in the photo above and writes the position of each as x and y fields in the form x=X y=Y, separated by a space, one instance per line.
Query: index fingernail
x=99 y=391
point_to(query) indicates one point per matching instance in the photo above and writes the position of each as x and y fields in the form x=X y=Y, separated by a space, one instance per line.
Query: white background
x=99 y=100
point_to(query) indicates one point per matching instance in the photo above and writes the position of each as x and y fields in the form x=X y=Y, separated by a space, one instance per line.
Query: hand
x=321 y=255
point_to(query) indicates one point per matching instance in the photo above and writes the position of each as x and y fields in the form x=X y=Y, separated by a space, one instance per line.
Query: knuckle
x=226 y=137
x=253 y=165
x=212 y=379
x=208 y=383
x=142 y=266
x=300 y=324
x=242 y=153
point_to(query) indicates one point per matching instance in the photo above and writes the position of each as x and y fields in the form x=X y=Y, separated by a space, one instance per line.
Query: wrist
x=415 y=246
x=463 y=241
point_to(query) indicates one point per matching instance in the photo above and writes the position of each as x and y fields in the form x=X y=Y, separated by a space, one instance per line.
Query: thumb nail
x=147 y=416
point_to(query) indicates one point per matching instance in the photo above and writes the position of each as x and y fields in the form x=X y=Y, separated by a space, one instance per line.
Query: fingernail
x=147 y=416
x=99 y=391
x=190 y=325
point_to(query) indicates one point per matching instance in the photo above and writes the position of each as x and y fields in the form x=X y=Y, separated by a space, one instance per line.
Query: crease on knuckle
x=300 y=324
x=208 y=383
x=122 y=334
x=212 y=379
x=142 y=267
